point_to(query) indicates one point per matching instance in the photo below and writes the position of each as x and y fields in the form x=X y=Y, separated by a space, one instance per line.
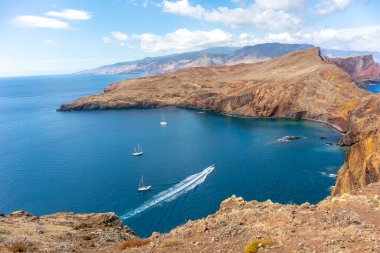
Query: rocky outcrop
x=361 y=167
x=62 y=232
x=300 y=85
x=362 y=68
x=341 y=224
x=348 y=223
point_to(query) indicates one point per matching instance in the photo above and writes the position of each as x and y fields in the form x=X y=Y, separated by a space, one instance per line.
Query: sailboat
x=163 y=121
x=143 y=187
x=138 y=151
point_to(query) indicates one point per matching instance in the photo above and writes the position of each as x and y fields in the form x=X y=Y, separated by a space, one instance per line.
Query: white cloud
x=49 y=41
x=182 y=39
x=70 y=14
x=37 y=21
x=360 y=38
x=327 y=6
x=119 y=36
x=260 y=14
x=106 y=40
x=365 y=38
x=278 y=4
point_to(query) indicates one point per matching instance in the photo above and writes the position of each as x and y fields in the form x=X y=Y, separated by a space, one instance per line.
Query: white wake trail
x=173 y=192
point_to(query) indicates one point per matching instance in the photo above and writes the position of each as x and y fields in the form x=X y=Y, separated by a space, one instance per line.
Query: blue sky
x=61 y=36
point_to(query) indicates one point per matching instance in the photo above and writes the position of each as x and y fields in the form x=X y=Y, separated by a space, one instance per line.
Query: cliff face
x=299 y=85
x=361 y=167
x=362 y=68
x=348 y=223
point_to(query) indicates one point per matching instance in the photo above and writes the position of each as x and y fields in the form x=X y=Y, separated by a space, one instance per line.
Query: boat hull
x=145 y=188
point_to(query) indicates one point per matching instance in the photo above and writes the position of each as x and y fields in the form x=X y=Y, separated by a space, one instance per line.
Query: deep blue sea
x=81 y=161
x=375 y=87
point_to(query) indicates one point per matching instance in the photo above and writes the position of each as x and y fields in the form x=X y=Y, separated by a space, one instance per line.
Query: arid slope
x=349 y=223
x=299 y=85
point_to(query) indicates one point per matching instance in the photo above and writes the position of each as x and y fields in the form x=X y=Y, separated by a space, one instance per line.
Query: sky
x=39 y=37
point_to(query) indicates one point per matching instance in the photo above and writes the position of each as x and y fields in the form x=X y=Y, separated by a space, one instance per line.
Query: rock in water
x=288 y=138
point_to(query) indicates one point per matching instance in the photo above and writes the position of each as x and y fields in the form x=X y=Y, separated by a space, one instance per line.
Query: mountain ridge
x=213 y=57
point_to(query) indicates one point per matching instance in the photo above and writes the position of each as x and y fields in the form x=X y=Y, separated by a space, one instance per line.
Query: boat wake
x=173 y=192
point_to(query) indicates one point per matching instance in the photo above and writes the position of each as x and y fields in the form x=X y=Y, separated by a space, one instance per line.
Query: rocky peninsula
x=300 y=85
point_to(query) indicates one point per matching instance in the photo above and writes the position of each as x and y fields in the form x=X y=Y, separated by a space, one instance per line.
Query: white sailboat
x=138 y=151
x=163 y=121
x=143 y=187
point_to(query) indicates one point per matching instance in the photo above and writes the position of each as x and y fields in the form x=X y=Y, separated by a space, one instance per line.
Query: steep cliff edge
x=349 y=223
x=362 y=68
x=299 y=85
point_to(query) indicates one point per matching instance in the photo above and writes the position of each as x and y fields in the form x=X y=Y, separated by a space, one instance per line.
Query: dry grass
x=170 y=243
x=134 y=242
x=4 y=231
x=254 y=246
x=17 y=247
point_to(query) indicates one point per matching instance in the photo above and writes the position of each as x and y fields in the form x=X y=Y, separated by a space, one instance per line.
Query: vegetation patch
x=134 y=242
x=17 y=247
x=254 y=246
x=170 y=243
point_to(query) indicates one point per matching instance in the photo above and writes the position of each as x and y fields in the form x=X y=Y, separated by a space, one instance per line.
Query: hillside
x=341 y=224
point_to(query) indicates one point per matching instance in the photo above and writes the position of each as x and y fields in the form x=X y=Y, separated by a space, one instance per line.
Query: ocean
x=81 y=161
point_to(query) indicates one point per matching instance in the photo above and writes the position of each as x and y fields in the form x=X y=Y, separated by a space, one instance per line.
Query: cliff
x=348 y=223
x=299 y=85
x=362 y=68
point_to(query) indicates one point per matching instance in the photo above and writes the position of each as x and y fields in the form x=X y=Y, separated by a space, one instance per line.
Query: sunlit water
x=81 y=161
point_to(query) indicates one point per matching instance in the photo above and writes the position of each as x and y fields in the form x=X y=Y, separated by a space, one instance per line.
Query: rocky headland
x=300 y=85
x=362 y=68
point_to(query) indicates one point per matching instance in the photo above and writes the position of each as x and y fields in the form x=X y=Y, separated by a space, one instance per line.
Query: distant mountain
x=213 y=57
x=264 y=51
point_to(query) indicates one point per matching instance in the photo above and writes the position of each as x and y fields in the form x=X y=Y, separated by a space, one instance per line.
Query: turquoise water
x=375 y=88
x=81 y=161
